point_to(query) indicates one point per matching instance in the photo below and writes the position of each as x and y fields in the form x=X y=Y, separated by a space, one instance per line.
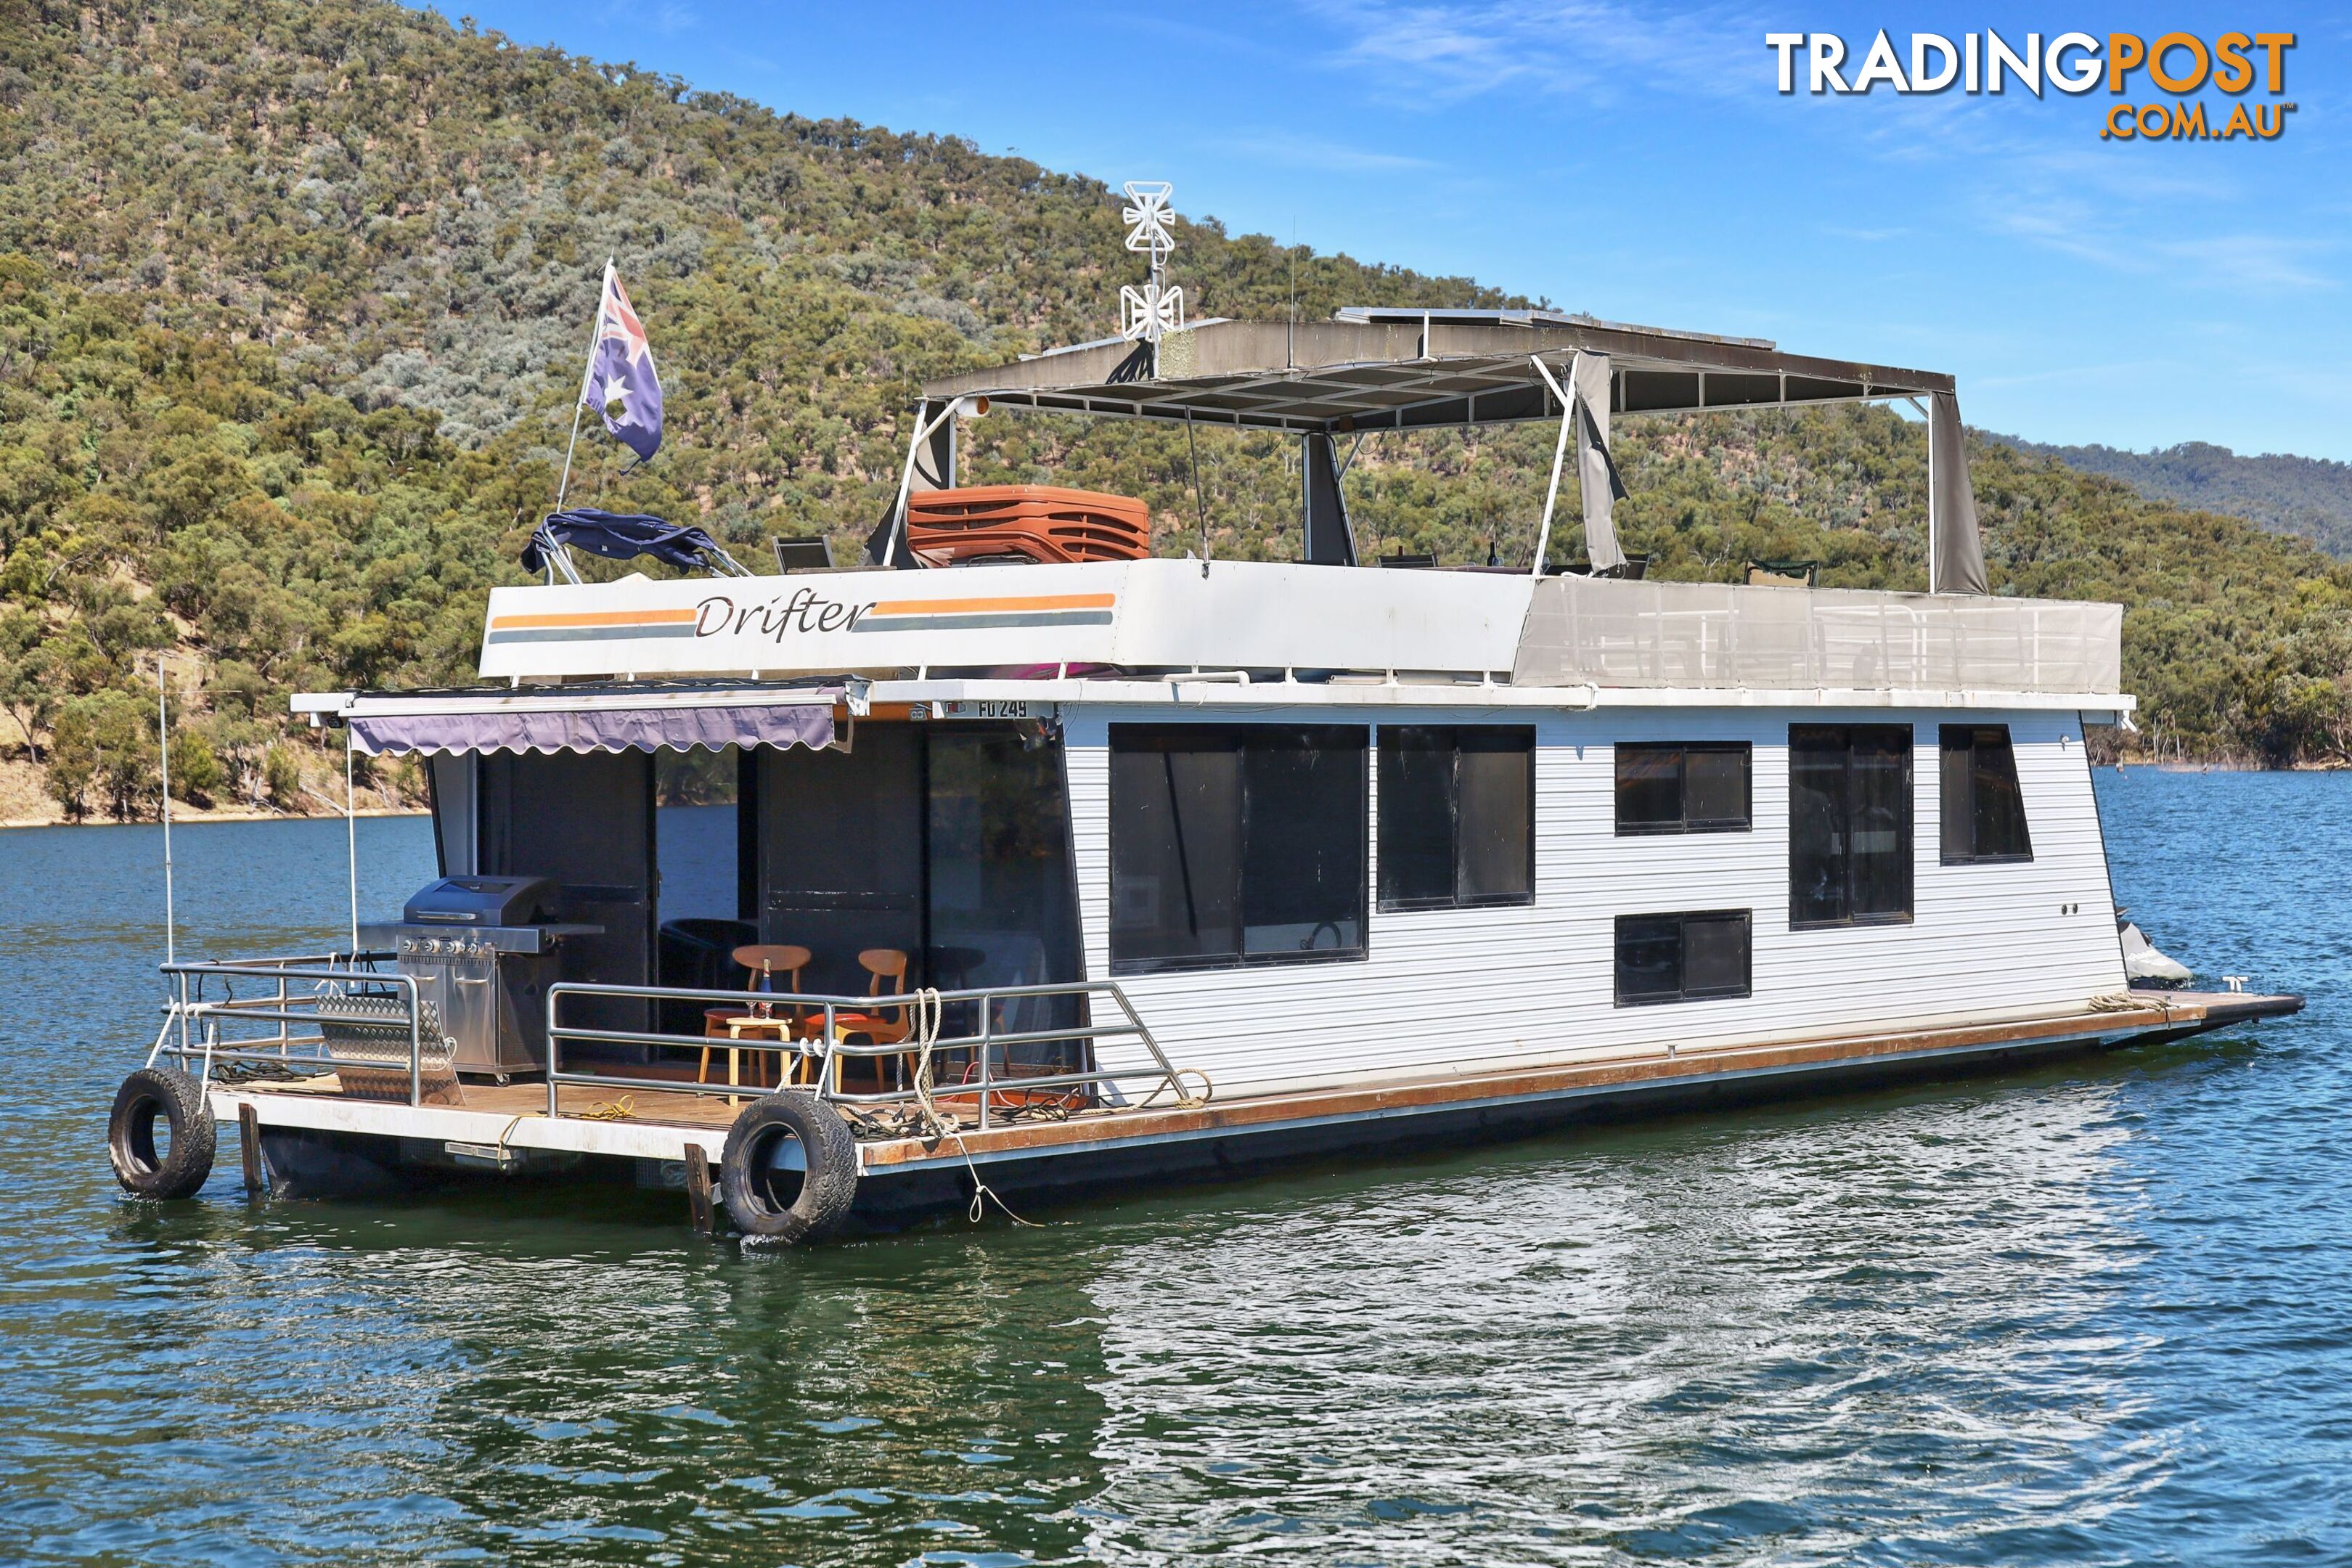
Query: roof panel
x=1399 y=370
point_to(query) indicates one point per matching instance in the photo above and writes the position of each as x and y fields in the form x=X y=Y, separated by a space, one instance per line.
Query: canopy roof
x=1369 y=369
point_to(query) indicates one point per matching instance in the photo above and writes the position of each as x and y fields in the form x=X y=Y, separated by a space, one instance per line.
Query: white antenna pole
x=587 y=369
x=352 y=837
x=164 y=749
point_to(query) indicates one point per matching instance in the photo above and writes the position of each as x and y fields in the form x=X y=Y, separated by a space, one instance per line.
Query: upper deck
x=1511 y=636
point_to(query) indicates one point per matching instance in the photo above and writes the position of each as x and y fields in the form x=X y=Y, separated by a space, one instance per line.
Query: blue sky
x=1636 y=162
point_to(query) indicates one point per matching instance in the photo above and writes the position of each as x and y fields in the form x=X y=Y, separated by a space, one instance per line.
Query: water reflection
x=1693 y=1340
x=2087 y=1313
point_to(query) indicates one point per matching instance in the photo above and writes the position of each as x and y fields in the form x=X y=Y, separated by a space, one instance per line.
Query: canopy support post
x=1329 y=542
x=887 y=546
x=1558 y=457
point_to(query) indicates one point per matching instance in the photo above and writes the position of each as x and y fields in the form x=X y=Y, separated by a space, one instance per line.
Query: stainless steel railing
x=290 y=1002
x=824 y=1050
x=202 y=1030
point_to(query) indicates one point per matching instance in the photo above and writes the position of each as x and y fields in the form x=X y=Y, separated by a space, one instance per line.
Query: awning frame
x=590 y=719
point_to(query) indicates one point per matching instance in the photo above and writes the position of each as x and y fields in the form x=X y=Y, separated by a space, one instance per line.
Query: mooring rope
x=926 y=1010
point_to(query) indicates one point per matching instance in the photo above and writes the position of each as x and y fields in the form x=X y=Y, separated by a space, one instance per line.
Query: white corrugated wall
x=1448 y=989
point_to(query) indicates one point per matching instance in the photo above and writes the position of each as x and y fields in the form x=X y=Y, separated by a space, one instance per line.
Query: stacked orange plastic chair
x=1038 y=522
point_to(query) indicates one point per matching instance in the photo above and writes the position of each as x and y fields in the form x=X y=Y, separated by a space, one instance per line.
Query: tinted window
x=1457 y=815
x=1983 y=808
x=1849 y=824
x=1689 y=957
x=1232 y=845
x=1416 y=817
x=1692 y=788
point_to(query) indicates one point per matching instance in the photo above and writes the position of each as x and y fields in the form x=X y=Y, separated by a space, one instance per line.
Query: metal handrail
x=829 y=1048
x=186 y=1007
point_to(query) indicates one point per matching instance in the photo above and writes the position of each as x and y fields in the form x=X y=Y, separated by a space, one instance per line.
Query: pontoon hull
x=318 y=1146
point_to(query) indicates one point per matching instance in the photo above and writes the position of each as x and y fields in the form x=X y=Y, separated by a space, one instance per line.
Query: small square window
x=1696 y=787
x=1694 y=957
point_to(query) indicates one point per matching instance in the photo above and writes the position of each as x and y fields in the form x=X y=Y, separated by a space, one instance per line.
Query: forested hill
x=2310 y=497
x=292 y=297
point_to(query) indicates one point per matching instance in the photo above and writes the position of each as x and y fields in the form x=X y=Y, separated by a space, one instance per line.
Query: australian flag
x=621 y=384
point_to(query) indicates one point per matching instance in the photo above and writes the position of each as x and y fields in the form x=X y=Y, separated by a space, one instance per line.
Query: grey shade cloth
x=1602 y=631
x=1596 y=473
x=1958 y=566
x=597 y=730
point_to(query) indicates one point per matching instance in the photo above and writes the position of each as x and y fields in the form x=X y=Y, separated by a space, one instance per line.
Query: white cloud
x=1297 y=151
x=1604 y=52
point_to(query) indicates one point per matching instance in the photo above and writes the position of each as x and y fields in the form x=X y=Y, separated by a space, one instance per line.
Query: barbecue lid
x=483 y=902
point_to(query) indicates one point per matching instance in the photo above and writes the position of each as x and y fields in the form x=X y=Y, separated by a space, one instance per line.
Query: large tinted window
x=1849 y=824
x=1457 y=815
x=1688 y=957
x=1983 y=808
x=1697 y=788
x=1237 y=844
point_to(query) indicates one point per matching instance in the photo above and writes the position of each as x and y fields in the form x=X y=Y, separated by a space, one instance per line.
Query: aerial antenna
x=1150 y=313
x=1290 y=336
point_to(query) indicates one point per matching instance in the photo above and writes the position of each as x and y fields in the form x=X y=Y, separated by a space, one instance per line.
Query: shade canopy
x=546 y=727
x=1372 y=369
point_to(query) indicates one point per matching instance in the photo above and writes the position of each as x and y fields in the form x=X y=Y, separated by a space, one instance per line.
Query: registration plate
x=989 y=709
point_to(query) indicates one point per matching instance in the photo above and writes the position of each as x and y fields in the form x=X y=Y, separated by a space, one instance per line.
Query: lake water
x=2096 y=1313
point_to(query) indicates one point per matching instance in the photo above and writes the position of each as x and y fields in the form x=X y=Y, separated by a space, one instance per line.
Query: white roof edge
x=1184 y=693
x=1196 y=693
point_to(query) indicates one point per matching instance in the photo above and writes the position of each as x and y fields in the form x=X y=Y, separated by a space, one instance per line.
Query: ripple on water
x=2089 y=1314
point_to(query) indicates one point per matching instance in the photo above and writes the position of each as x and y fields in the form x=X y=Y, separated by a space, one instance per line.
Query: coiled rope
x=2133 y=1002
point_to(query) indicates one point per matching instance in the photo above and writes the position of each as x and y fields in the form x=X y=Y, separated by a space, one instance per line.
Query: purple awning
x=672 y=728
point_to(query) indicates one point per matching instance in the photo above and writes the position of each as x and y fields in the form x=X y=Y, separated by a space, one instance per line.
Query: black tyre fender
x=756 y=1202
x=179 y=1101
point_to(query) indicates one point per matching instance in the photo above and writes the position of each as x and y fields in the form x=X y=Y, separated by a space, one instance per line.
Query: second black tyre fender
x=177 y=1100
x=783 y=1205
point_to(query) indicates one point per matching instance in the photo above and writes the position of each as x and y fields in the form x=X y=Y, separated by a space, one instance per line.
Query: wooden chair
x=877 y=1023
x=758 y=1021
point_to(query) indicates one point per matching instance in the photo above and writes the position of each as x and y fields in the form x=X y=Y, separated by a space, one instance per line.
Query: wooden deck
x=620 y=1120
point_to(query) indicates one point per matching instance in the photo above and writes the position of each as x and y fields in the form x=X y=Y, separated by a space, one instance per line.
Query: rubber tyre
x=179 y=1100
x=827 y=1188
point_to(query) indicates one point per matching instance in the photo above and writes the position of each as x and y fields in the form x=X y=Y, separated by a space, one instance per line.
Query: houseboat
x=1017 y=859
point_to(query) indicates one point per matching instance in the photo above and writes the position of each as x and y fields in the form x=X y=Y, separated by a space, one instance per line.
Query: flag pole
x=587 y=369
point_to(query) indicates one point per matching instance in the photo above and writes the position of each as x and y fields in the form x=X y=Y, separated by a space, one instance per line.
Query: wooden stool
x=737 y=1024
x=765 y=960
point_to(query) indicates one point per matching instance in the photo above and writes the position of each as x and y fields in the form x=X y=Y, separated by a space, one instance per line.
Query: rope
x=2133 y=1002
x=618 y=1109
x=1184 y=1100
x=926 y=1010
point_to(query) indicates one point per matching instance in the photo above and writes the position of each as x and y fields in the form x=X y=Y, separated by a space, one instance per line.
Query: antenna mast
x=1149 y=313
